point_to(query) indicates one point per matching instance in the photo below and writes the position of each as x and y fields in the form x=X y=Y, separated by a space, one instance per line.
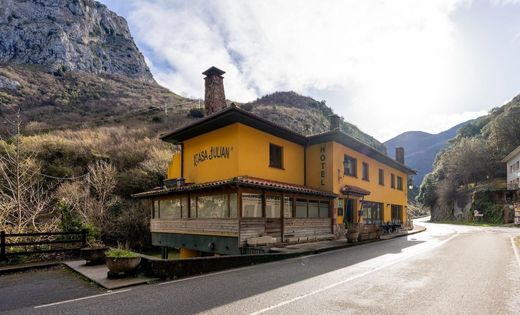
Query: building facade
x=512 y=161
x=239 y=180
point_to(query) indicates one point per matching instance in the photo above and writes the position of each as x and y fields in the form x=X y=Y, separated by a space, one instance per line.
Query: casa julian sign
x=211 y=153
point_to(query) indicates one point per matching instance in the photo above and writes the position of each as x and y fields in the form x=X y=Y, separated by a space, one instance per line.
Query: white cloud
x=398 y=61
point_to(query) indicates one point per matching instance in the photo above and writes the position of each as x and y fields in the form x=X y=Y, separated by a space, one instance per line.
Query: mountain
x=72 y=64
x=421 y=148
x=305 y=115
x=69 y=35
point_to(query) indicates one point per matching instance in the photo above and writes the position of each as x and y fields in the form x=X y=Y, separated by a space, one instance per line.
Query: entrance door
x=273 y=217
x=350 y=210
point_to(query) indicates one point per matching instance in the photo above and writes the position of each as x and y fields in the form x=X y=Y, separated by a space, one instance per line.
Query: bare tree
x=23 y=199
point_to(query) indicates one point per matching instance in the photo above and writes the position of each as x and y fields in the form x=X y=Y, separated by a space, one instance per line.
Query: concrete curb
x=20 y=268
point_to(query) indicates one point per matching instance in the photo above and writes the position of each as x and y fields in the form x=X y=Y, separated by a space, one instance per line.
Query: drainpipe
x=182 y=160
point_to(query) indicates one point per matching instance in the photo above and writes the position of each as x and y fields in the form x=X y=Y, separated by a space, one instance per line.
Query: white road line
x=257 y=265
x=515 y=250
x=83 y=298
x=300 y=297
x=208 y=275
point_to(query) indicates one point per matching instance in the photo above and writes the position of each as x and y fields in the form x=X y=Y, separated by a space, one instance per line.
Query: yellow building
x=240 y=181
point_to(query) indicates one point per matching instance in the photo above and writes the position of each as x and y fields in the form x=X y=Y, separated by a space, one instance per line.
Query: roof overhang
x=351 y=190
x=226 y=117
x=240 y=181
x=513 y=153
x=346 y=140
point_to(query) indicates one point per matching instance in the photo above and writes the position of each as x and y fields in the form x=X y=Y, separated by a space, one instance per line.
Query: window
x=399 y=183
x=350 y=165
x=275 y=156
x=365 y=171
x=392 y=181
x=381 y=177
x=213 y=206
x=324 y=209
x=273 y=207
x=397 y=214
x=301 y=208
x=233 y=205
x=314 y=209
x=193 y=207
x=287 y=207
x=251 y=205
x=155 y=213
x=184 y=206
x=170 y=208
x=372 y=212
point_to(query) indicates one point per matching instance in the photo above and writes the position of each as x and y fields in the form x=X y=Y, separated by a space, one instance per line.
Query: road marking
x=303 y=296
x=209 y=274
x=515 y=250
x=260 y=264
x=83 y=298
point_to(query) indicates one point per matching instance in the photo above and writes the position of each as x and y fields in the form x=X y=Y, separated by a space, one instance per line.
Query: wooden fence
x=46 y=243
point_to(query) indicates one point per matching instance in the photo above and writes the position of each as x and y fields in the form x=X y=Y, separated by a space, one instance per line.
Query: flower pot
x=352 y=237
x=93 y=255
x=122 y=264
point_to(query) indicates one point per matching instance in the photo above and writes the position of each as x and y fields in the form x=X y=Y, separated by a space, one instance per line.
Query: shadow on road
x=205 y=293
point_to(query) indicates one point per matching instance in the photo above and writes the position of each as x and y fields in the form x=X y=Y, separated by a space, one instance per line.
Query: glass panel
x=301 y=208
x=193 y=206
x=287 y=207
x=314 y=209
x=233 y=205
x=184 y=206
x=156 y=209
x=170 y=208
x=324 y=209
x=372 y=212
x=214 y=206
x=273 y=206
x=251 y=205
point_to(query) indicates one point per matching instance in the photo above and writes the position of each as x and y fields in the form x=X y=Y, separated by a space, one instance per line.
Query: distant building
x=512 y=161
x=238 y=180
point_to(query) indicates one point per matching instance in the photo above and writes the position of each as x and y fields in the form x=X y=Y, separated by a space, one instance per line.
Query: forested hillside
x=472 y=163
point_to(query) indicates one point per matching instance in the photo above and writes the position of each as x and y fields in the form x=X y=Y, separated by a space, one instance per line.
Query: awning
x=352 y=190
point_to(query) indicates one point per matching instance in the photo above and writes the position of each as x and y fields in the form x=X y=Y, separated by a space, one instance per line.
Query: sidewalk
x=98 y=274
x=323 y=246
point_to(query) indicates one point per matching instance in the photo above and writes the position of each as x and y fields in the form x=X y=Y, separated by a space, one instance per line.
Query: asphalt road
x=446 y=270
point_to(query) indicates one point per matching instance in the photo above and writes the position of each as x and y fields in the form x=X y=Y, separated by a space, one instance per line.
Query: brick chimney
x=214 y=97
x=334 y=122
x=399 y=155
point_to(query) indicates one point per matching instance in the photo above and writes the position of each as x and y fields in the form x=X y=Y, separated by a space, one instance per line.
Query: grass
x=120 y=253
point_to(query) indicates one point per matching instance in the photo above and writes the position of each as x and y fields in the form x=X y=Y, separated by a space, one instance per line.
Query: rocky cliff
x=69 y=35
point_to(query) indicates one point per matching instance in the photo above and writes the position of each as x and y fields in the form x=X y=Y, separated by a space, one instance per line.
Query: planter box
x=117 y=266
x=93 y=255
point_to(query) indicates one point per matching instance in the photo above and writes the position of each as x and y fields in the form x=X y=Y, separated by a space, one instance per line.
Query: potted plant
x=94 y=254
x=120 y=261
x=352 y=233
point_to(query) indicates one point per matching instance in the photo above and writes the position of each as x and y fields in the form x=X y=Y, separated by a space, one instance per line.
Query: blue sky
x=386 y=66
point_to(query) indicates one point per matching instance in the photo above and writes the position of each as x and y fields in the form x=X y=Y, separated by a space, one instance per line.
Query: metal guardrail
x=79 y=239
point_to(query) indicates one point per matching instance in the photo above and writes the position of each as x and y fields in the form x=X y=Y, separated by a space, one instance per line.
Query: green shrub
x=196 y=113
x=120 y=253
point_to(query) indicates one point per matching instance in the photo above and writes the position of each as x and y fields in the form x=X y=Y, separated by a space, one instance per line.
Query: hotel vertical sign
x=323 y=158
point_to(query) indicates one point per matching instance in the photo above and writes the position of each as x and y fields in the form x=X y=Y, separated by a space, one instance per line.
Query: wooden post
x=164 y=252
x=2 y=245
x=84 y=234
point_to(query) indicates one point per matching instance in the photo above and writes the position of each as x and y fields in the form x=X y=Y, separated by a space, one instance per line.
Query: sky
x=385 y=66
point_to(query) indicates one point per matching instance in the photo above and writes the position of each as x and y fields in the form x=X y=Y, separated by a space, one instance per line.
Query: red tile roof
x=354 y=190
x=242 y=181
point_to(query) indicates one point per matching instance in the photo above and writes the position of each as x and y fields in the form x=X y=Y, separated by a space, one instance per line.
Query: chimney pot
x=399 y=154
x=334 y=122
x=214 y=96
